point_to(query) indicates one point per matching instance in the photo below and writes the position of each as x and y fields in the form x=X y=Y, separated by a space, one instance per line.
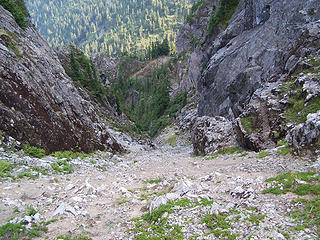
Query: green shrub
x=284 y=151
x=62 y=167
x=193 y=9
x=247 y=123
x=223 y=15
x=173 y=141
x=69 y=155
x=18 y=10
x=5 y=168
x=263 y=154
x=177 y=103
x=33 y=151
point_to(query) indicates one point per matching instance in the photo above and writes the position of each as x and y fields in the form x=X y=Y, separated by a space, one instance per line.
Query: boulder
x=306 y=135
x=211 y=133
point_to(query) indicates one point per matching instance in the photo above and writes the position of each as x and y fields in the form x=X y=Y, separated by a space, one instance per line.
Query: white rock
x=77 y=199
x=69 y=187
x=157 y=202
x=172 y=196
x=214 y=209
x=65 y=209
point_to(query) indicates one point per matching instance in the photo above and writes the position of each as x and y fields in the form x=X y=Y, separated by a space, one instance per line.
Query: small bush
x=263 y=154
x=173 y=141
x=69 y=155
x=62 y=167
x=247 y=123
x=223 y=15
x=33 y=151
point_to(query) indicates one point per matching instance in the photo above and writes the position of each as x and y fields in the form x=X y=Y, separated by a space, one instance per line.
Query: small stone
x=69 y=187
x=64 y=209
x=157 y=202
x=214 y=209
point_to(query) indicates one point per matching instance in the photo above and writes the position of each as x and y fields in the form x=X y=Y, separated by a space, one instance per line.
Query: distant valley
x=114 y=27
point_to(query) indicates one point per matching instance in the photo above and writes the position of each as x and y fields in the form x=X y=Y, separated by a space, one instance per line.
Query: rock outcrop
x=306 y=135
x=39 y=103
x=262 y=42
x=212 y=133
x=240 y=66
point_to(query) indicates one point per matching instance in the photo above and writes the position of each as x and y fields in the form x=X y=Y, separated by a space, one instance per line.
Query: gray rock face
x=306 y=135
x=106 y=67
x=263 y=41
x=191 y=41
x=38 y=102
x=211 y=133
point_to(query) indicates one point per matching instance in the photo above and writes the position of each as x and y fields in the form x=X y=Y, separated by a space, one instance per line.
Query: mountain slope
x=39 y=104
x=108 y=26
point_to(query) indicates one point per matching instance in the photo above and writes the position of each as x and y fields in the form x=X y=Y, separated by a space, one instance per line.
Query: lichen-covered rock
x=211 y=133
x=39 y=103
x=306 y=135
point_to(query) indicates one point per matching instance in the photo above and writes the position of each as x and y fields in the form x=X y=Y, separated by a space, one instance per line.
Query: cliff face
x=262 y=43
x=39 y=103
x=255 y=69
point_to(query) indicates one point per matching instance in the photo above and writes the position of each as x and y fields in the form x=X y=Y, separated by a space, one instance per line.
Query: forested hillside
x=113 y=26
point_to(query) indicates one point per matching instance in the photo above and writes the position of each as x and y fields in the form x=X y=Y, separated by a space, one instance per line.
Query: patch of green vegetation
x=298 y=110
x=173 y=141
x=146 y=100
x=282 y=143
x=19 y=231
x=93 y=161
x=30 y=211
x=71 y=237
x=69 y=155
x=263 y=154
x=284 y=151
x=62 y=167
x=0 y=135
x=153 y=181
x=256 y=218
x=230 y=150
x=34 y=151
x=146 y=196
x=244 y=154
x=32 y=173
x=177 y=103
x=194 y=8
x=223 y=15
x=18 y=10
x=291 y=182
x=315 y=62
x=82 y=71
x=308 y=214
x=122 y=201
x=225 y=151
x=247 y=124
x=5 y=168
x=156 y=226
x=219 y=225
